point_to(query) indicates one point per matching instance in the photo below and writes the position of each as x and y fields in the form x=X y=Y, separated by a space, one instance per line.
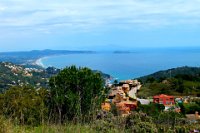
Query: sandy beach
x=39 y=62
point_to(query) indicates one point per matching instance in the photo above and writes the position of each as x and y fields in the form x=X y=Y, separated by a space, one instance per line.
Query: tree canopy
x=75 y=93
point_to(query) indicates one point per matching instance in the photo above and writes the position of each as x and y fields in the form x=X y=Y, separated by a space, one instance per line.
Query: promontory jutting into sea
x=129 y=64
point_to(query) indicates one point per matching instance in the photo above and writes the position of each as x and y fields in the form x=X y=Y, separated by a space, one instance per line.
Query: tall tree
x=75 y=92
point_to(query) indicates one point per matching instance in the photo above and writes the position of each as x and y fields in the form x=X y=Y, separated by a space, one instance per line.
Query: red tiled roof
x=163 y=96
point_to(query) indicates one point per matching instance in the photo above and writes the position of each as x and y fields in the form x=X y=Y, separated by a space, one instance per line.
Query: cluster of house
x=33 y=70
x=123 y=96
x=15 y=69
x=18 y=69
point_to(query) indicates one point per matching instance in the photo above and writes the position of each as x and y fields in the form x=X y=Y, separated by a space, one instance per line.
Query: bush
x=143 y=127
x=170 y=119
x=191 y=108
x=75 y=93
x=105 y=122
x=25 y=105
x=140 y=122
x=153 y=109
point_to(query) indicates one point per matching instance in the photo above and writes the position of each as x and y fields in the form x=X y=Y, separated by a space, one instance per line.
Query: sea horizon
x=128 y=65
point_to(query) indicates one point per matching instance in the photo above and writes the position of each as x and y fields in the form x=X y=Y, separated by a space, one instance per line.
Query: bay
x=131 y=64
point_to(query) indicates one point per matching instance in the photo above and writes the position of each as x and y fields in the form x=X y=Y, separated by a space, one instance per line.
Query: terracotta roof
x=163 y=96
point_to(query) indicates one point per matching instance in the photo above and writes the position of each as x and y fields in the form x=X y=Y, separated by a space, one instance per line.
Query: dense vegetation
x=76 y=93
x=73 y=94
x=181 y=81
x=189 y=71
x=16 y=75
x=71 y=103
x=25 y=105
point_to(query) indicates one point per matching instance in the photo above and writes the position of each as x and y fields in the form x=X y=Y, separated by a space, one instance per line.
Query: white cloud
x=50 y=15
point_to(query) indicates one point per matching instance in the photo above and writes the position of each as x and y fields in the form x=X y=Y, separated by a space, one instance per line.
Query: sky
x=98 y=24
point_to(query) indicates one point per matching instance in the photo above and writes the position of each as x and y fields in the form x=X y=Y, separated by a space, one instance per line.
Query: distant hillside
x=189 y=71
x=12 y=75
x=181 y=81
x=104 y=75
x=29 y=57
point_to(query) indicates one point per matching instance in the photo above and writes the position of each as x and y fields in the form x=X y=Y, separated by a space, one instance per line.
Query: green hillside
x=20 y=75
x=177 y=81
x=12 y=75
x=187 y=71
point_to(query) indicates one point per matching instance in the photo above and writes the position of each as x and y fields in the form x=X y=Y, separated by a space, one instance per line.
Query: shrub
x=191 y=108
x=25 y=105
x=75 y=93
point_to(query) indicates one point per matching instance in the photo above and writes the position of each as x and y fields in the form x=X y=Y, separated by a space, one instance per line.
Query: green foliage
x=170 y=119
x=153 y=109
x=9 y=78
x=13 y=75
x=140 y=122
x=181 y=129
x=150 y=80
x=170 y=86
x=177 y=81
x=75 y=92
x=183 y=112
x=25 y=105
x=184 y=73
x=160 y=88
x=105 y=122
x=4 y=125
x=191 y=108
x=136 y=122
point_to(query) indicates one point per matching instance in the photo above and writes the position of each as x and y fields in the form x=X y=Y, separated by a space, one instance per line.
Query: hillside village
x=16 y=69
x=12 y=75
x=123 y=106
x=124 y=96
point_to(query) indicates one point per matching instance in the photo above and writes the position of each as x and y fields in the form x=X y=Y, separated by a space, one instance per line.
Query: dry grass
x=100 y=126
x=69 y=128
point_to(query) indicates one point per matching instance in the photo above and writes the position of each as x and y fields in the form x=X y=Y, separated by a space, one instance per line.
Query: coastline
x=39 y=62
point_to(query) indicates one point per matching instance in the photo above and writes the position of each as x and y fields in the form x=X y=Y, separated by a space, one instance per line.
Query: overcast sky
x=98 y=24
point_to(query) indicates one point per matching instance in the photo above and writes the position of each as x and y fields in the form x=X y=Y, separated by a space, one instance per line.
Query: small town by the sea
x=99 y=66
x=123 y=95
x=153 y=103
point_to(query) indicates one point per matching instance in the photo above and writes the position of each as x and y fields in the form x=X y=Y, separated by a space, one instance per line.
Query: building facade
x=164 y=99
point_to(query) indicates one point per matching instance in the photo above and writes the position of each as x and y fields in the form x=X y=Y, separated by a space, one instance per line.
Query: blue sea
x=128 y=65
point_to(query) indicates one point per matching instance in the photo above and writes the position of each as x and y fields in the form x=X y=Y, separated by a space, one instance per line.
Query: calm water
x=129 y=65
